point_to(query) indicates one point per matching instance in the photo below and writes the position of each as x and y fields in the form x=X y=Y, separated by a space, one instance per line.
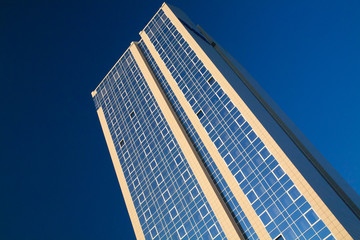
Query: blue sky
x=56 y=177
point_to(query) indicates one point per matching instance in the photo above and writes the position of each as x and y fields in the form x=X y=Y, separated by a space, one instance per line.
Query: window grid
x=280 y=213
x=129 y=92
x=234 y=207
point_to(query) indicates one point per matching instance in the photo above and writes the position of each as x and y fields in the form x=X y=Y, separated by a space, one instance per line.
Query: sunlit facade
x=201 y=152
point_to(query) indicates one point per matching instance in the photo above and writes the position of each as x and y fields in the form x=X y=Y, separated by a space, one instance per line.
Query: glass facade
x=222 y=186
x=167 y=197
x=164 y=189
x=280 y=206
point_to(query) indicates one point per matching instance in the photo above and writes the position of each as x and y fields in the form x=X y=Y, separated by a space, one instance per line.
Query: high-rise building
x=202 y=152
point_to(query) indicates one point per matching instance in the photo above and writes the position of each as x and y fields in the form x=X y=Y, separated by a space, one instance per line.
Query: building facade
x=202 y=152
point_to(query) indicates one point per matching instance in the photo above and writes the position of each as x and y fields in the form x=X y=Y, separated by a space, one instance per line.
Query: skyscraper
x=202 y=152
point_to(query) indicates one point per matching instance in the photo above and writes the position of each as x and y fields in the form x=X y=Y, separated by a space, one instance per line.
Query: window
x=153 y=232
x=218 y=143
x=311 y=216
x=200 y=114
x=114 y=120
x=251 y=196
x=278 y=172
x=194 y=192
x=252 y=136
x=203 y=211
x=192 y=102
x=147 y=214
x=159 y=179
x=137 y=78
x=211 y=80
x=103 y=91
x=166 y=195
x=128 y=104
x=136 y=182
x=122 y=143
x=153 y=108
x=181 y=232
x=294 y=193
x=131 y=168
x=173 y=213
x=141 y=198
x=178 y=160
x=171 y=145
x=214 y=231
x=153 y=164
x=117 y=132
x=147 y=150
x=158 y=119
x=147 y=97
x=132 y=114
x=186 y=175
x=265 y=218
x=208 y=128
x=142 y=137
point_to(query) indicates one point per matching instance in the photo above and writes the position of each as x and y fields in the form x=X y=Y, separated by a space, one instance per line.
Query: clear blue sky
x=56 y=177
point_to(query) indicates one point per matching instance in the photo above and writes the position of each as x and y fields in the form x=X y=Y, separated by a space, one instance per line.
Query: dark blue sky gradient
x=56 y=177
